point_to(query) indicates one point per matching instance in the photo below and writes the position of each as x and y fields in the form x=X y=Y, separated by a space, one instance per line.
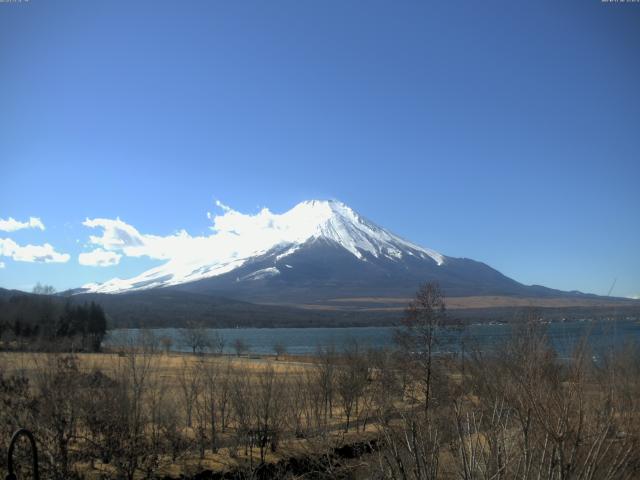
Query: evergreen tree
x=63 y=326
x=97 y=325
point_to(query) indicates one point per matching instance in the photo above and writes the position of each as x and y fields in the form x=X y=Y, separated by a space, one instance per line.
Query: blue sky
x=506 y=132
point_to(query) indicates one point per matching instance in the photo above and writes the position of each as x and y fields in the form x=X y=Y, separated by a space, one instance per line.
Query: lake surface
x=298 y=341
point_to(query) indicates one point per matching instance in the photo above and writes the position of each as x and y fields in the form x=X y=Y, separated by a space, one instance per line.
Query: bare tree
x=196 y=338
x=189 y=381
x=268 y=403
x=316 y=390
x=351 y=381
x=412 y=436
x=166 y=342
x=418 y=336
x=326 y=359
x=217 y=343
x=240 y=346
x=161 y=424
x=147 y=341
x=212 y=402
x=58 y=386
x=280 y=349
x=240 y=394
x=223 y=392
x=124 y=427
x=40 y=289
x=387 y=386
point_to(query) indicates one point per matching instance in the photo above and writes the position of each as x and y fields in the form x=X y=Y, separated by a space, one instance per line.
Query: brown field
x=167 y=366
x=166 y=374
x=455 y=303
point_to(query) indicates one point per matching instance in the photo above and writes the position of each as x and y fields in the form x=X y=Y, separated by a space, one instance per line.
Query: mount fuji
x=318 y=252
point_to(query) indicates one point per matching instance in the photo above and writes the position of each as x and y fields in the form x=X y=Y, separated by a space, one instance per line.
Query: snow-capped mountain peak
x=339 y=223
x=239 y=239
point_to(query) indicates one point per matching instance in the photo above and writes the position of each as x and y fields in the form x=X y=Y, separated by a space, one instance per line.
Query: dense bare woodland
x=516 y=412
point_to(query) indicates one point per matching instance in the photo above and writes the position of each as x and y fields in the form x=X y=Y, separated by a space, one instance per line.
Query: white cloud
x=225 y=208
x=11 y=224
x=118 y=236
x=99 y=258
x=31 y=253
x=235 y=236
x=2 y=265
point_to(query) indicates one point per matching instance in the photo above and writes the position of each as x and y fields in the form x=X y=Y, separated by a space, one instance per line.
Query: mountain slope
x=321 y=269
x=317 y=252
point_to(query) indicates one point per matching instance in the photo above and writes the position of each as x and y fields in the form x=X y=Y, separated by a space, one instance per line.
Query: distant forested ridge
x=46 y=321
x=58 y=316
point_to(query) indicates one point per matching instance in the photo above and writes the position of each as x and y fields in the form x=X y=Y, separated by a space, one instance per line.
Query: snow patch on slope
x=262 y=273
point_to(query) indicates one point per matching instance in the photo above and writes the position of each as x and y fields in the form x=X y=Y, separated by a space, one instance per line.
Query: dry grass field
x=180 y=380
x=475 y=302
x=164 y=365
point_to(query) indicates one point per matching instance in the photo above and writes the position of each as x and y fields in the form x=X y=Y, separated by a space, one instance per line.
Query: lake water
x=299 y=341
